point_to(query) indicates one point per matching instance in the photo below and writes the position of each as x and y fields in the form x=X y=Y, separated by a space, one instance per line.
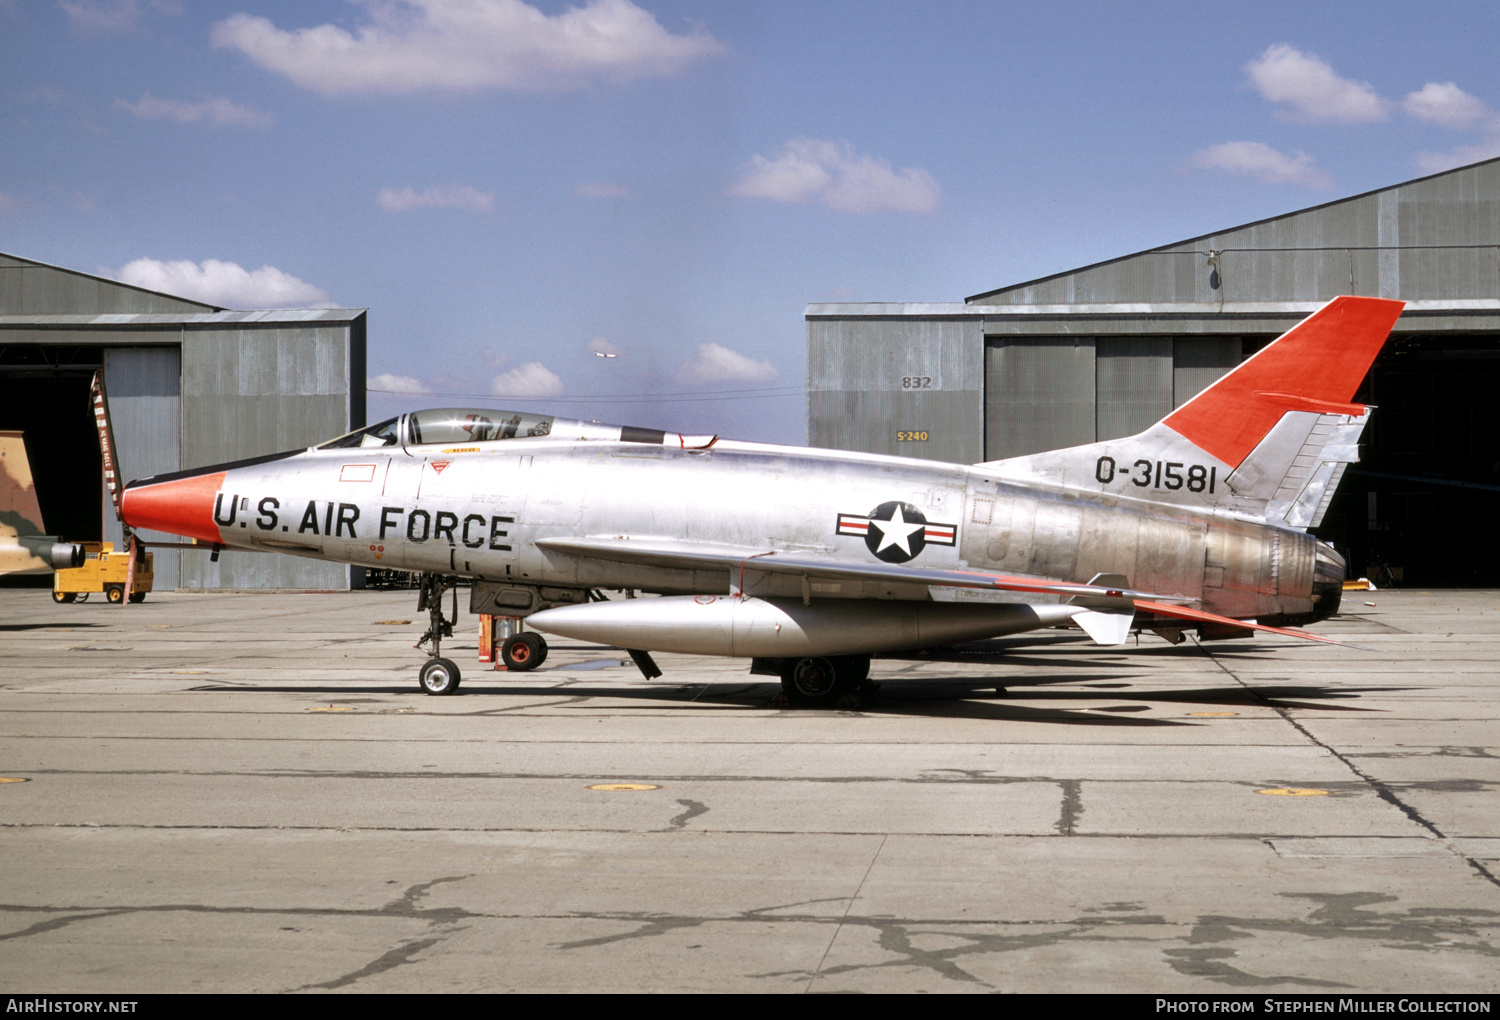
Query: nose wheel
x=439 y=676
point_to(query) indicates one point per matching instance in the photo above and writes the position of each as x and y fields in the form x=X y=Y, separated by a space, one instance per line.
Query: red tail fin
x=1315 y=366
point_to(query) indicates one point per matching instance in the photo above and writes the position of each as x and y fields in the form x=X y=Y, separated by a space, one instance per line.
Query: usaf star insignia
x=896 y=531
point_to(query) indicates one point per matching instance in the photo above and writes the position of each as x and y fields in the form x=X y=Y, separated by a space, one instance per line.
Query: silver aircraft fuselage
x=486 y=510
x=799 y=557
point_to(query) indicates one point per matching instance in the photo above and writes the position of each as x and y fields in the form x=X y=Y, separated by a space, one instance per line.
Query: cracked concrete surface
x=1095 y=824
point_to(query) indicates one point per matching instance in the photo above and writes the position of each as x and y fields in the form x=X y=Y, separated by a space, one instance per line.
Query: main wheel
x=814 y=681
x=522 y=652
x=852 y=670
x=138 y=596
x=114 y=594
x=439 y=676
x=64 y=596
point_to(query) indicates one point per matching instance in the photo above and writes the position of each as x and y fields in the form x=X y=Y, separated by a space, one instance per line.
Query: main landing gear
x=438 y=675
x=824 y=681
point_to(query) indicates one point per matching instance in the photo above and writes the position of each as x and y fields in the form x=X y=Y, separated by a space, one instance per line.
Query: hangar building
x=1109 y=349
x=189 y=385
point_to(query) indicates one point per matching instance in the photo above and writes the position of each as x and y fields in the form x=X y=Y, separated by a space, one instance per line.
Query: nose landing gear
x=438 y=675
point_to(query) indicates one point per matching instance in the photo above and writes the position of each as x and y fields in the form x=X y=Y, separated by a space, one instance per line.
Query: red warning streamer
x=100 y=403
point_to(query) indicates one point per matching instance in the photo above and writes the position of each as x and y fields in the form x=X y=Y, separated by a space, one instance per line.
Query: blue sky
x=513 y=189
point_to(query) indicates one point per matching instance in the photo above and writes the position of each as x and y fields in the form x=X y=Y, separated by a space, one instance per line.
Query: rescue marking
x=332 y=708
x=617 y=787
x=14 y=779
x=439 y=466
x=1293 y=791
x=357 y=473
x=390 y=623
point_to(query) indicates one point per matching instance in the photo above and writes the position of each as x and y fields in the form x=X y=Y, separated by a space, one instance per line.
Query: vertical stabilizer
x=20 y=513
x=24 y=546
x=1270 y=439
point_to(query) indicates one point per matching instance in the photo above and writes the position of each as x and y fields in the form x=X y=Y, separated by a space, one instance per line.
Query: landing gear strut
x=438 y=675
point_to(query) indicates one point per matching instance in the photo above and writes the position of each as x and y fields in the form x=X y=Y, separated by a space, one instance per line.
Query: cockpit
x=446 y=425
x=459 y=426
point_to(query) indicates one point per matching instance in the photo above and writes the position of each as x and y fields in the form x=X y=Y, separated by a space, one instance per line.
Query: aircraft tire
x=114 y=594
x=818 y=682
x=523 y=652
x=137 y=597
x=541 y=648
x=439 y=676
x=64 y=596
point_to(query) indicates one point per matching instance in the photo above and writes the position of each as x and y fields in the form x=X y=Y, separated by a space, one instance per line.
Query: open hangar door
x=44 y=392
x=1421 y=508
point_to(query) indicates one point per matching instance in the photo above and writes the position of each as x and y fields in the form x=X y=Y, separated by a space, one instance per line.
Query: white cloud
x=1446 y=104
x=1258 y=160
x=599 y=345
x=217 y=110
x=834 y=175
x=387 y=382
x=532 y=379
x=224 y=284
x=453 y=196
x=714 y=364
x=600 y=190
x=1463 y=155
x=410 y=45
x=1311 y=89
x=109 y=15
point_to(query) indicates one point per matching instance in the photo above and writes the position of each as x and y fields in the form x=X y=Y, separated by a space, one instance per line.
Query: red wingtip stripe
x=183 y=506
x=1316 y=365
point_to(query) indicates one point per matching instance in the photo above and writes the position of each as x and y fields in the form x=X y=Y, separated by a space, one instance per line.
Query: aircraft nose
x=179 y=505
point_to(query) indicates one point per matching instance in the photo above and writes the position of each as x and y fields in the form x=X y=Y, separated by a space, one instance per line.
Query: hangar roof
x=34 y=294
x=28 y=287
x=1436 y=238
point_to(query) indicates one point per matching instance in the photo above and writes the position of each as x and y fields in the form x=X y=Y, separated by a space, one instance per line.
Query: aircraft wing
x=704 y=555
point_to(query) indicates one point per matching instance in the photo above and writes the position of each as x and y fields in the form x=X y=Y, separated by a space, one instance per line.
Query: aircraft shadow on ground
x=51 y=625
x=930 y=697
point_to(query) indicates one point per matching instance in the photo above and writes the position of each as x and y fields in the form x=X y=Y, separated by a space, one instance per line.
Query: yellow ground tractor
x=104 y=570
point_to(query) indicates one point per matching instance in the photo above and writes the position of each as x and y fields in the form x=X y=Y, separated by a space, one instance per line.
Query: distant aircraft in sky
x=810 y=561
x=25 y=548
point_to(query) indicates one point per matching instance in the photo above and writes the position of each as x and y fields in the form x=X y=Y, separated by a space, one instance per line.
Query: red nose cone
x=183 y=506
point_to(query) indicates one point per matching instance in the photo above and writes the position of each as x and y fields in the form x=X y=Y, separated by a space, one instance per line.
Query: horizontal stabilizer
x=1200 y=616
